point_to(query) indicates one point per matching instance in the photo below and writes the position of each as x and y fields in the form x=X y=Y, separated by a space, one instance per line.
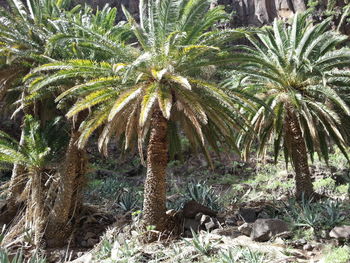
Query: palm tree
x=26 y=36
x=160 y=81
x=38 y=154
x=297 y=70
x=24 y=33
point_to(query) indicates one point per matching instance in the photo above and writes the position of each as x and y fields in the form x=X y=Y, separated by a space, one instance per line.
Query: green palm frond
x=123 y=82
x=295 y=66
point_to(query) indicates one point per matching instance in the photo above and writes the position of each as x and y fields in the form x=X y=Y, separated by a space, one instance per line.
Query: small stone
x=205 y=219
x=307 y=247
x=211 y=225
x=279 y=241
x=264 y=229
x=301 y=241
x=246 y=229
x=340 y=232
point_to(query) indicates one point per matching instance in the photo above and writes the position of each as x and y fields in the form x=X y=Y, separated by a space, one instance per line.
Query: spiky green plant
x=39 y=151
x=150 y=88
x=298 y=72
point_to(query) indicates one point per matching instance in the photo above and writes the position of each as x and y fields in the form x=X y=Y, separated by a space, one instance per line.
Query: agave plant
x=298 y=72
x=146 y=91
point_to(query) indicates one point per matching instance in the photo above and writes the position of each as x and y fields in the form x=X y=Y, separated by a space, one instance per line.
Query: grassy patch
x=338 y=255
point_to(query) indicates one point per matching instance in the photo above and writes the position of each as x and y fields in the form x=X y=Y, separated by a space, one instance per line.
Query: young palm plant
x=39 y=151
x=297 y=70
x=150 y=88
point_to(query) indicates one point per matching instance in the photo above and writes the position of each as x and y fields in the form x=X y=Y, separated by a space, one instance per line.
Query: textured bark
x=68 y=201
x=154 y=206
x=298 y=153
x=37 y=203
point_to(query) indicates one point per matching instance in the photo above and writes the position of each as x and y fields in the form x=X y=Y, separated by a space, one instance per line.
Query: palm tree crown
x=165 y=68
x=296 y=70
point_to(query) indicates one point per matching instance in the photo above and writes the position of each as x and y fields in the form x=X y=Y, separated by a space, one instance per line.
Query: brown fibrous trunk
x=154 y=205
x=298 y=152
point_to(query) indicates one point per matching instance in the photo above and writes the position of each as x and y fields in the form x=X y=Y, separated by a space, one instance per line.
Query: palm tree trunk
x=154 y=205
x=17 y=184
x=68 y=201
x=38 y=211
x=298 y=153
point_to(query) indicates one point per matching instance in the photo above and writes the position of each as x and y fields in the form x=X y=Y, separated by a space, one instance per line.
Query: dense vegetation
x=175 y=82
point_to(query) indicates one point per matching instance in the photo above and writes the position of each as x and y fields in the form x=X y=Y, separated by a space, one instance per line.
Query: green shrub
x=203 y=194
x=128 y=201
x=202 y=244
x=326 y=185
x=242 y=255
x=19 y=258
x=338 y=255
x=320 y=216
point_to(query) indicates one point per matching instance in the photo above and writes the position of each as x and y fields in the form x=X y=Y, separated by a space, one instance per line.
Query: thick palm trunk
x=154 y=206
x=298 y=153
x=68 y=201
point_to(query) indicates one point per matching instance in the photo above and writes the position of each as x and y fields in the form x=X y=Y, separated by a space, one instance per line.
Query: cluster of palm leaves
x=149 y=82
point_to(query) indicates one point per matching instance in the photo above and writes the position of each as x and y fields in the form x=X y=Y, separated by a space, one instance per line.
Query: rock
x=249 y=215
x=246 y=229
x=212 y=224
x=264 y=229
x=279 y=241
x=192 y=208
x=308 y=247
x=340 y=232
x=190 y=223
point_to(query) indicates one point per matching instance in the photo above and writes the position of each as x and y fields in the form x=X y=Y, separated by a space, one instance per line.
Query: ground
x=109 y=229
x=233 y=185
